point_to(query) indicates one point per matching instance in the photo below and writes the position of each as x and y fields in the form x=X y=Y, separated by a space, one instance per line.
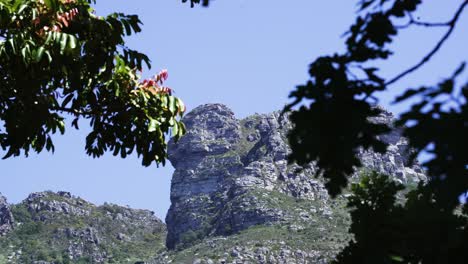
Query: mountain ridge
x=59 y=227
x=234 y=199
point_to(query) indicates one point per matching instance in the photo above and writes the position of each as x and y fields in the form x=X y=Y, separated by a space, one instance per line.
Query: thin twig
x=428 y=24
x=435 y=49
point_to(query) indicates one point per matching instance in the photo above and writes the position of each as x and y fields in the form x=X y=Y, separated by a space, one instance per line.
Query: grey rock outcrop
x=227 y=171
x=6 y=217
x=50 y=204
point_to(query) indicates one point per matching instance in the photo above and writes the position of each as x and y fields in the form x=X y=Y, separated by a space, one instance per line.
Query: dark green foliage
x=332 y=113
x=440 y=127
x=326 y=142
x=191 y=237
x=417 y=231
x=57 y=58
x=21 y=213
x=339 y=99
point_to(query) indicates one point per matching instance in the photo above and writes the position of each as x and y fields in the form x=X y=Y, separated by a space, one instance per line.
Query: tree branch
x=75 y=112
x=435 y=49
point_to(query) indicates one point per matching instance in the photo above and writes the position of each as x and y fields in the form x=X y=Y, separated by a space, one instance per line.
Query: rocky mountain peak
x=213 y=131
x=228 y=173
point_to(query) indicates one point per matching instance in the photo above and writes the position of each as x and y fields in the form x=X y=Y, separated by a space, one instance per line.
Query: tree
x=429 y=225
x=58 y=59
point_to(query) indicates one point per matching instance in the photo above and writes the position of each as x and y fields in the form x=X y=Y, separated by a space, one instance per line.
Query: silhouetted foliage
x=58 y=58
x=339 y=99
x=416 y=230
x=193 y=2
x=331 y=115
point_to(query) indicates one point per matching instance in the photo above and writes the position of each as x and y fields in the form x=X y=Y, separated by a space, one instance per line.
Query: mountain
x=234 y=199
x=50 y=227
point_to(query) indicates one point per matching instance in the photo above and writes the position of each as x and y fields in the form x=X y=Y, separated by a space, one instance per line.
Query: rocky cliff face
x=6 y=217
x=232 y=175
x=61 y=228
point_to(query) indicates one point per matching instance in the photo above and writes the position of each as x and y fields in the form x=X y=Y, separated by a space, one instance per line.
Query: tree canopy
x=59 y=59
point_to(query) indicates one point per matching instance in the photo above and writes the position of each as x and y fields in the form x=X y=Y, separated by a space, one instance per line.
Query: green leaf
x=12 y=44
x=61 y=126
x=24 y=53
x=175 y=129
x=34 y=13
x=153 y=125
x=63 y=42
x=180 y=106
x=39 y=53
x=72 y=43
x=182 y=129
x=21 y=9
x=172 y=104
x=50 y=35
x=49 y=57
x=397 y=258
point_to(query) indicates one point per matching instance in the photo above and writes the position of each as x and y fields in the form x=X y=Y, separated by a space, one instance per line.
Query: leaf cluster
x=332 y=116
x=332 y=112
x=339 y=98
x=437 y=125
x=58 y=59
x=416 y=231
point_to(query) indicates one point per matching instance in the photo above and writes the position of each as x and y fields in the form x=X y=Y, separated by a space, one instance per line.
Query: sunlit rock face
x=226 y=171
x=6 y=217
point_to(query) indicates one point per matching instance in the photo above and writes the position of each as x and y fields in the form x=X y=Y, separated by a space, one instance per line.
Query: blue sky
x=245 y=54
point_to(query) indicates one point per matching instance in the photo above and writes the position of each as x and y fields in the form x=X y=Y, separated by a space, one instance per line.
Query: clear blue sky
x=245 y=54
